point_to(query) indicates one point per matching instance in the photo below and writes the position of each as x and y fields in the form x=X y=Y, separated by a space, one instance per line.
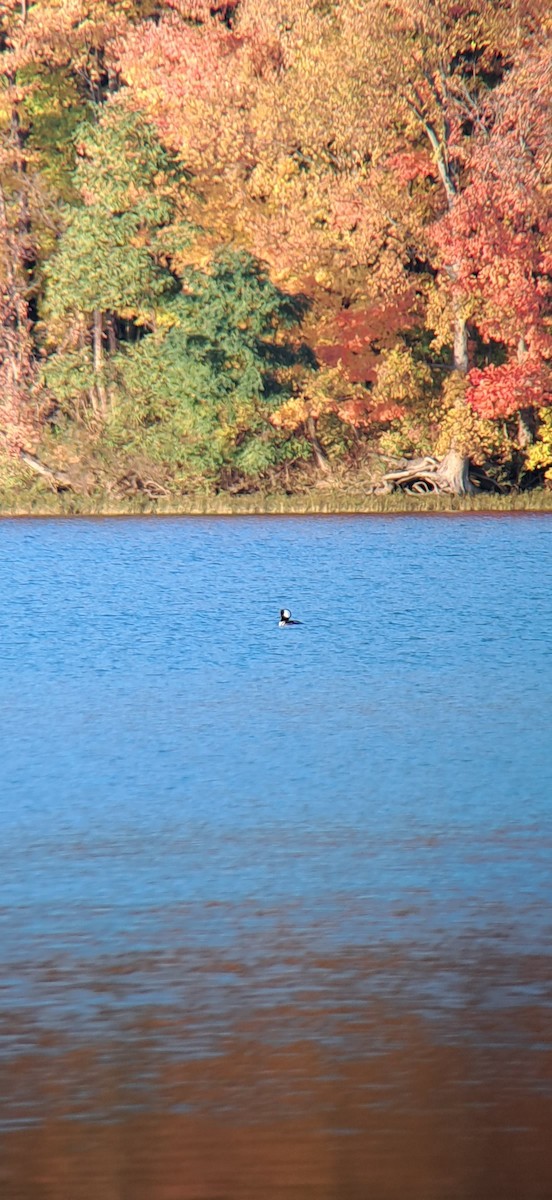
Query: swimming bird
x=285 y=619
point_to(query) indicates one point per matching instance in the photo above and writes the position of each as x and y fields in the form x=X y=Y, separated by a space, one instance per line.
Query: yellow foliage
x=441 y=312
x=462 y=429
x=405 y=382
x=540 y=454
x=292 y=414
x=320 y=394
x=402 y=380
x=287 y=167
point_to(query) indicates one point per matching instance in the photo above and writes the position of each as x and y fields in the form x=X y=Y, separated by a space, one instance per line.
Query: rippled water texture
x=275 y=909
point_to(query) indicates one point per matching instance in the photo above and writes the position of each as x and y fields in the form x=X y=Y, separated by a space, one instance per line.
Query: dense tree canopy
x=243 y=238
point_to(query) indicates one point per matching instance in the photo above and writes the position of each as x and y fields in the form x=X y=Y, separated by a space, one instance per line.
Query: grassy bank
x=322 y=501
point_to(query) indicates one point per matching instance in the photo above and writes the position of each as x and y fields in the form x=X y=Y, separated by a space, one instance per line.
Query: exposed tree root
x=453 y=475
x=450 y=476
x=132 y=484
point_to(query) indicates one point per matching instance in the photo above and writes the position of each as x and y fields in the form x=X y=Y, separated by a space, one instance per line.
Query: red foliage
x=356 y=337
x=501 y=391
x=498 y=235
x=359 y=364
x=409 y=165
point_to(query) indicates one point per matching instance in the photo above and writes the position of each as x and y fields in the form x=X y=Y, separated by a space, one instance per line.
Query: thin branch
x=439 y=151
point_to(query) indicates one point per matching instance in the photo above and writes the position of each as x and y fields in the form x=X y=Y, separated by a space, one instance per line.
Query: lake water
x=275 y=904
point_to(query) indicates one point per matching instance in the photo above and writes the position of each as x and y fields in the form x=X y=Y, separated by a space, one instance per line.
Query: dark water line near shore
x=262 y=515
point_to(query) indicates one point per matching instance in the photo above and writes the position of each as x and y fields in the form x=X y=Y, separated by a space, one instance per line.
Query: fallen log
x=60 y=479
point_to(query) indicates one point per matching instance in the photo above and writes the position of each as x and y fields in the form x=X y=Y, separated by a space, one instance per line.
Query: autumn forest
x=260 y=245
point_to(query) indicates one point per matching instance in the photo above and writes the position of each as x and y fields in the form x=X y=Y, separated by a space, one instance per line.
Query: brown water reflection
x=396 y=1102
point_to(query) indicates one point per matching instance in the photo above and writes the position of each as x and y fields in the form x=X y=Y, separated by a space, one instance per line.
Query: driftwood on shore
x=449 y=475
x=59 y=479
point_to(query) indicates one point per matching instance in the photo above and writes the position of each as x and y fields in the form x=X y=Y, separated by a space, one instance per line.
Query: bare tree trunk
x=98 y=338
x=527 y=426
x=98 y=358
x=8 y=344
x=460 y=346
x=319 y=455
x=111 y=334
x=454 y=467
x=454 y=470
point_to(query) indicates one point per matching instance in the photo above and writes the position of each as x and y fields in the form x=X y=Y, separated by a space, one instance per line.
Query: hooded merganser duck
x=285 y=618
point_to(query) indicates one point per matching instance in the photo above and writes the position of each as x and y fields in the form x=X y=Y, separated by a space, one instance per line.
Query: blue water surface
x=181 y=781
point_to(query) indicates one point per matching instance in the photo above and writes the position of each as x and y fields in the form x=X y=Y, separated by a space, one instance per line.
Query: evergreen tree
x=198 y=397
x=111 y=264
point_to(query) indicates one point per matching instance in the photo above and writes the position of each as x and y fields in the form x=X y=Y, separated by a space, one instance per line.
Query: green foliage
x=199 y=396
x=123 y=168
x=113 y=258
x=99 y=265
x=106 y=259
x=14 y=476
x=335 y=436
x=69 y=376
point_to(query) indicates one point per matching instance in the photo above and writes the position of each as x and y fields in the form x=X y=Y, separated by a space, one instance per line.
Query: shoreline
x=330 y=502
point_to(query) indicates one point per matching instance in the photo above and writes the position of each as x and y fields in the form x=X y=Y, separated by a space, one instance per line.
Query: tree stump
x=449 y=476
